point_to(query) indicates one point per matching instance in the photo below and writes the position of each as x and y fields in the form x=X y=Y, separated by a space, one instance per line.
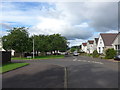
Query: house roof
x=118 y=35
x=84 y=44
x=96 y=40
x=108 y=38
x=90 y=41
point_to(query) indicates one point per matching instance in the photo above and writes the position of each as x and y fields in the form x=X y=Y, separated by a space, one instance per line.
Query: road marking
x=101 y=63
x=75 y=59
x=65 y=77
x=84 y=60
x=93 y=61
x=90 y=61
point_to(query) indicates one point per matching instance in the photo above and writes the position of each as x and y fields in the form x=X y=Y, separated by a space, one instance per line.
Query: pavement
x=80 y=72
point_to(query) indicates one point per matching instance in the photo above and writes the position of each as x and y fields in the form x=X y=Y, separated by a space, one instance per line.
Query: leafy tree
x=58 y=42
x=74 y=48
x=110 y=53
x=95 y=54
x=17 y=39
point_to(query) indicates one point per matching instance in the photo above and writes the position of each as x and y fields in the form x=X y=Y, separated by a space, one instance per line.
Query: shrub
x=95 y=54
x=110 y=53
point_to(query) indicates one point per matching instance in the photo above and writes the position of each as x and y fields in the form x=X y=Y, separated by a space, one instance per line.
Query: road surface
x=82 y=72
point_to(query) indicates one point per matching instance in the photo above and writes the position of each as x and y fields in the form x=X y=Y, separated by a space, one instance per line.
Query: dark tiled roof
x=108 y=38
x=96 y=40
x=84 y=44
x=91 y=41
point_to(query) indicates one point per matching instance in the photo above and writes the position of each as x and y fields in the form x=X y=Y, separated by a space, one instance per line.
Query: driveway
x=82 y=72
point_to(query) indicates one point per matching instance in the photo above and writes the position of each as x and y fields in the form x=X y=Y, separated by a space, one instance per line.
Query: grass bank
x=40 y=57
x=11 y=66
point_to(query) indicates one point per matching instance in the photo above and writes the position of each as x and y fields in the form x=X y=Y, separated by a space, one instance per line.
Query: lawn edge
x=16 y=68
x=40 y=59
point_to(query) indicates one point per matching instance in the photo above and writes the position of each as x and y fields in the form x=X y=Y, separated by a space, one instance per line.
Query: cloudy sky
x=77 y=21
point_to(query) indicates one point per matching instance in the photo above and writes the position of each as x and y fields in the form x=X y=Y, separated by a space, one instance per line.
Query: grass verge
x=40 y=57
x=11 y=66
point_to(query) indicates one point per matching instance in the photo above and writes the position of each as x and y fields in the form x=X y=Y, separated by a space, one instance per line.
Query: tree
x=58 y=42
x=110 y=53
x=95 y=54
x=17 y=39
x=75 y=48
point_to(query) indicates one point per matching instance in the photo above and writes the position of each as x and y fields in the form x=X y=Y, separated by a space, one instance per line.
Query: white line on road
x=90 y=61
x=79 y=60
x=75 y=59
x=65 y=77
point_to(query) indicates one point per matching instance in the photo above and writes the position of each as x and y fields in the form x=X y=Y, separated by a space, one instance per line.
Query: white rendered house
x=105 y=42
x=95 y=43
x=1 y=46
x=90 y=45
x=84 y=47
x=116 y=43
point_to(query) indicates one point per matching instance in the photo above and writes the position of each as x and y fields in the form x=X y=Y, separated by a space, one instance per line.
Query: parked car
x=117 y=57
x=75 y=53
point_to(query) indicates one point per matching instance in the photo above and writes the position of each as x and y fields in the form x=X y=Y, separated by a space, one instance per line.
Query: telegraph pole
x=33 y=48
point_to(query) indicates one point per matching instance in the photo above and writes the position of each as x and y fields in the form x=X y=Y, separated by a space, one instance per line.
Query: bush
x=95 y=54
x=110 y=53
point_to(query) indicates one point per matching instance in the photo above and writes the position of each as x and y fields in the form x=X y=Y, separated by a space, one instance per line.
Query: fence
x=6 y=56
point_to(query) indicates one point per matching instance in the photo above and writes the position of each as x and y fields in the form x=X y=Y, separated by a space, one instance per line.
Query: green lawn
x=11 y=66
x=40 y=57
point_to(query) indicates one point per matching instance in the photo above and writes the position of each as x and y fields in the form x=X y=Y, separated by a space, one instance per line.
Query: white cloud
x=53 y=25
x=76 y=42
x=74 y=20
x=6 y=25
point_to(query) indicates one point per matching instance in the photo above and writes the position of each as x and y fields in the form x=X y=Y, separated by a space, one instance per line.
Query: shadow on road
x=51 y=78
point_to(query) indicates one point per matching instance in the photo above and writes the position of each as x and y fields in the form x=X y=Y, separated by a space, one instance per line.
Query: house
x=84 y=47
x=90 y=48
x=105 y=42
x=1 y=46
x=95 y=43
x=116 y=43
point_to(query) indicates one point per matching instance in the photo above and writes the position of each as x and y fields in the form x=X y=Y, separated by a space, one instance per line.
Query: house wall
x=116 y=43
x=94 y=45
x=84 y=48
x=90 y=48
x=0 y=44
x=12 y=52
x=100 y=45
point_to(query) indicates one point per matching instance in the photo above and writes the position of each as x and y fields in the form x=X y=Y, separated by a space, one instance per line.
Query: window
x=99 y=49
x=116 y=47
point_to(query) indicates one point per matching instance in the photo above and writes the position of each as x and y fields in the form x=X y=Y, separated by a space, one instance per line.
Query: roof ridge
x=108 y=33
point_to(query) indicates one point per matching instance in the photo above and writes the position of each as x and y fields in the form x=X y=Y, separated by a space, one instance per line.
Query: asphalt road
x=82 y=72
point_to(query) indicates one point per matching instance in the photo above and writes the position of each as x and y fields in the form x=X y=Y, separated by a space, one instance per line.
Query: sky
x=77 y=21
